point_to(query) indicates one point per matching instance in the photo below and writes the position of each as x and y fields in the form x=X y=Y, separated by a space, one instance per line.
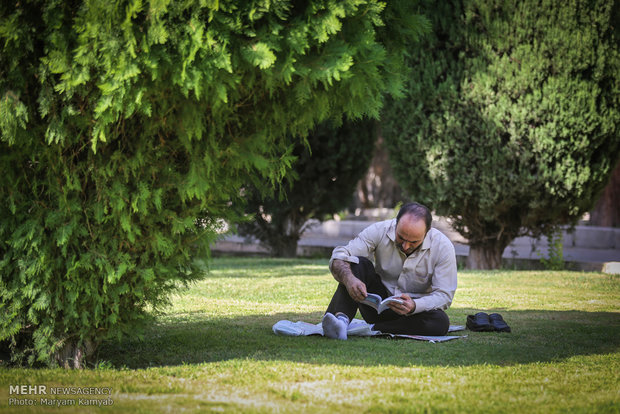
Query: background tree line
x=511 y=124
x=129 y=131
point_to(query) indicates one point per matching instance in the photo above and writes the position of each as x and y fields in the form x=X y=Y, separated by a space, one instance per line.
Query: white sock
x=335 y=327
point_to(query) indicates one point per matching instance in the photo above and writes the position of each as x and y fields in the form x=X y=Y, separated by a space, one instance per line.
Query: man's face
x=410 y=232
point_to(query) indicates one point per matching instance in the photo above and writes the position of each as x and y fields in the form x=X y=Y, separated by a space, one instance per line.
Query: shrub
x=512 y=121
x=325 y=174
x=128 y=128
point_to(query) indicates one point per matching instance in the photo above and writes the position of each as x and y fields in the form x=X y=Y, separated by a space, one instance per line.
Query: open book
x=375 y=301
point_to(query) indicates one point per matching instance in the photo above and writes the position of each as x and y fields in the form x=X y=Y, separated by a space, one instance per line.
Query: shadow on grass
x=537 y=336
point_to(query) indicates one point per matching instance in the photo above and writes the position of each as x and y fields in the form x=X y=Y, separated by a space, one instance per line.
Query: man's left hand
x=404 y=308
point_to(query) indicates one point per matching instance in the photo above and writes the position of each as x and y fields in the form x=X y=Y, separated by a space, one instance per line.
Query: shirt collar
x=391 y=233
x=426 y=244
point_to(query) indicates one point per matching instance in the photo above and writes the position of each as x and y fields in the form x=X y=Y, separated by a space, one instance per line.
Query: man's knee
x=437 y=322
x=363 y=268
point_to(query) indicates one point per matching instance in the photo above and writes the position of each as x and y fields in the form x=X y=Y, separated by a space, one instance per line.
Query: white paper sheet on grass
x=357 y=327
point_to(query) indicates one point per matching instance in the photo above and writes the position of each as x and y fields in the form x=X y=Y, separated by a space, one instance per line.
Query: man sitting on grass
x=412 y=261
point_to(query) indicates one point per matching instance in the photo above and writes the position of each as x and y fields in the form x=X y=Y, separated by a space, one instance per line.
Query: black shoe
x=498 y=323
x=479 y=322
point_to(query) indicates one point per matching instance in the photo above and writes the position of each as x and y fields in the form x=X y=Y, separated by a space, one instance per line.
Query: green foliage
x=512 y=122
x=128 y=128
x=555 y=251
x=325 y=174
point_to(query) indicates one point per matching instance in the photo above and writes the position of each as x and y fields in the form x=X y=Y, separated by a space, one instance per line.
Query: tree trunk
x=485 y=256
x=378 y=188
x=284 y=243
x=287 y=249
x=74 y=355
x=606 y=212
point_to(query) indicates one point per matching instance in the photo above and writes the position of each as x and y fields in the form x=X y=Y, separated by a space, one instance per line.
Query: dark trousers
x=434 y=322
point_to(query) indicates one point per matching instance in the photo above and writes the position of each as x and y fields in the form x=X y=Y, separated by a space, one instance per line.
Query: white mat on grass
x=357 y=327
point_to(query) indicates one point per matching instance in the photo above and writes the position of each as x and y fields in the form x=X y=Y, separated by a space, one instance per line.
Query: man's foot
x=335 y=327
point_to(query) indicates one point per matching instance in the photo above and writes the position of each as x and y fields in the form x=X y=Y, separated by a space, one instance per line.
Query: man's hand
x=356 y=289
x=342 y=273
x=404 y=308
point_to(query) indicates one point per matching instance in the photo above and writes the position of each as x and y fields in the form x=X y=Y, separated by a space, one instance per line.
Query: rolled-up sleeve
x=363 y=245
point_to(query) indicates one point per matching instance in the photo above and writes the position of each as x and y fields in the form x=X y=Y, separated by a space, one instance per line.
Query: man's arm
x=341 y=270
x=361 y=246
x=443 y=284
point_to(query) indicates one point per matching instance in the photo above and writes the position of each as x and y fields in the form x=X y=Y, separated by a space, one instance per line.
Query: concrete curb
x=585 y=248
x=235 y=248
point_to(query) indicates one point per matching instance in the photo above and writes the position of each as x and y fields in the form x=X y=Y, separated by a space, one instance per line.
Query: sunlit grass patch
x=213 y=350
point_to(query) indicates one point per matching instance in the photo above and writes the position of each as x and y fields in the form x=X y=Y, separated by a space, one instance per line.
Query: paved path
x=586 y=248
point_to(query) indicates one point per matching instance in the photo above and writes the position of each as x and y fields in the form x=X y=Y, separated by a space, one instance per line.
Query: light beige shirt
x=427 y=275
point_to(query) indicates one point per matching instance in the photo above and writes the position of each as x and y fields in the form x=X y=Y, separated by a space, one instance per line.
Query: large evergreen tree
x=128 y=128
x=325 y=174
x=512 y=123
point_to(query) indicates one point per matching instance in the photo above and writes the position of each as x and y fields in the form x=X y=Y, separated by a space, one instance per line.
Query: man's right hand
x=343 y=274
x=356 y=289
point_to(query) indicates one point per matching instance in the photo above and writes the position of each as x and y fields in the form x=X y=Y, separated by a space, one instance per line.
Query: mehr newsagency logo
x=43 y=395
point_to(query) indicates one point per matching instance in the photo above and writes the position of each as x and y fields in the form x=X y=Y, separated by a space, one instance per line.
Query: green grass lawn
x=214 y=350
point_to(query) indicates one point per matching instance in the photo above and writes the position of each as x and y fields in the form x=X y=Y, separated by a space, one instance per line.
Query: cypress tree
x=128 y=128
x=512 y=122
x=325 y=174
